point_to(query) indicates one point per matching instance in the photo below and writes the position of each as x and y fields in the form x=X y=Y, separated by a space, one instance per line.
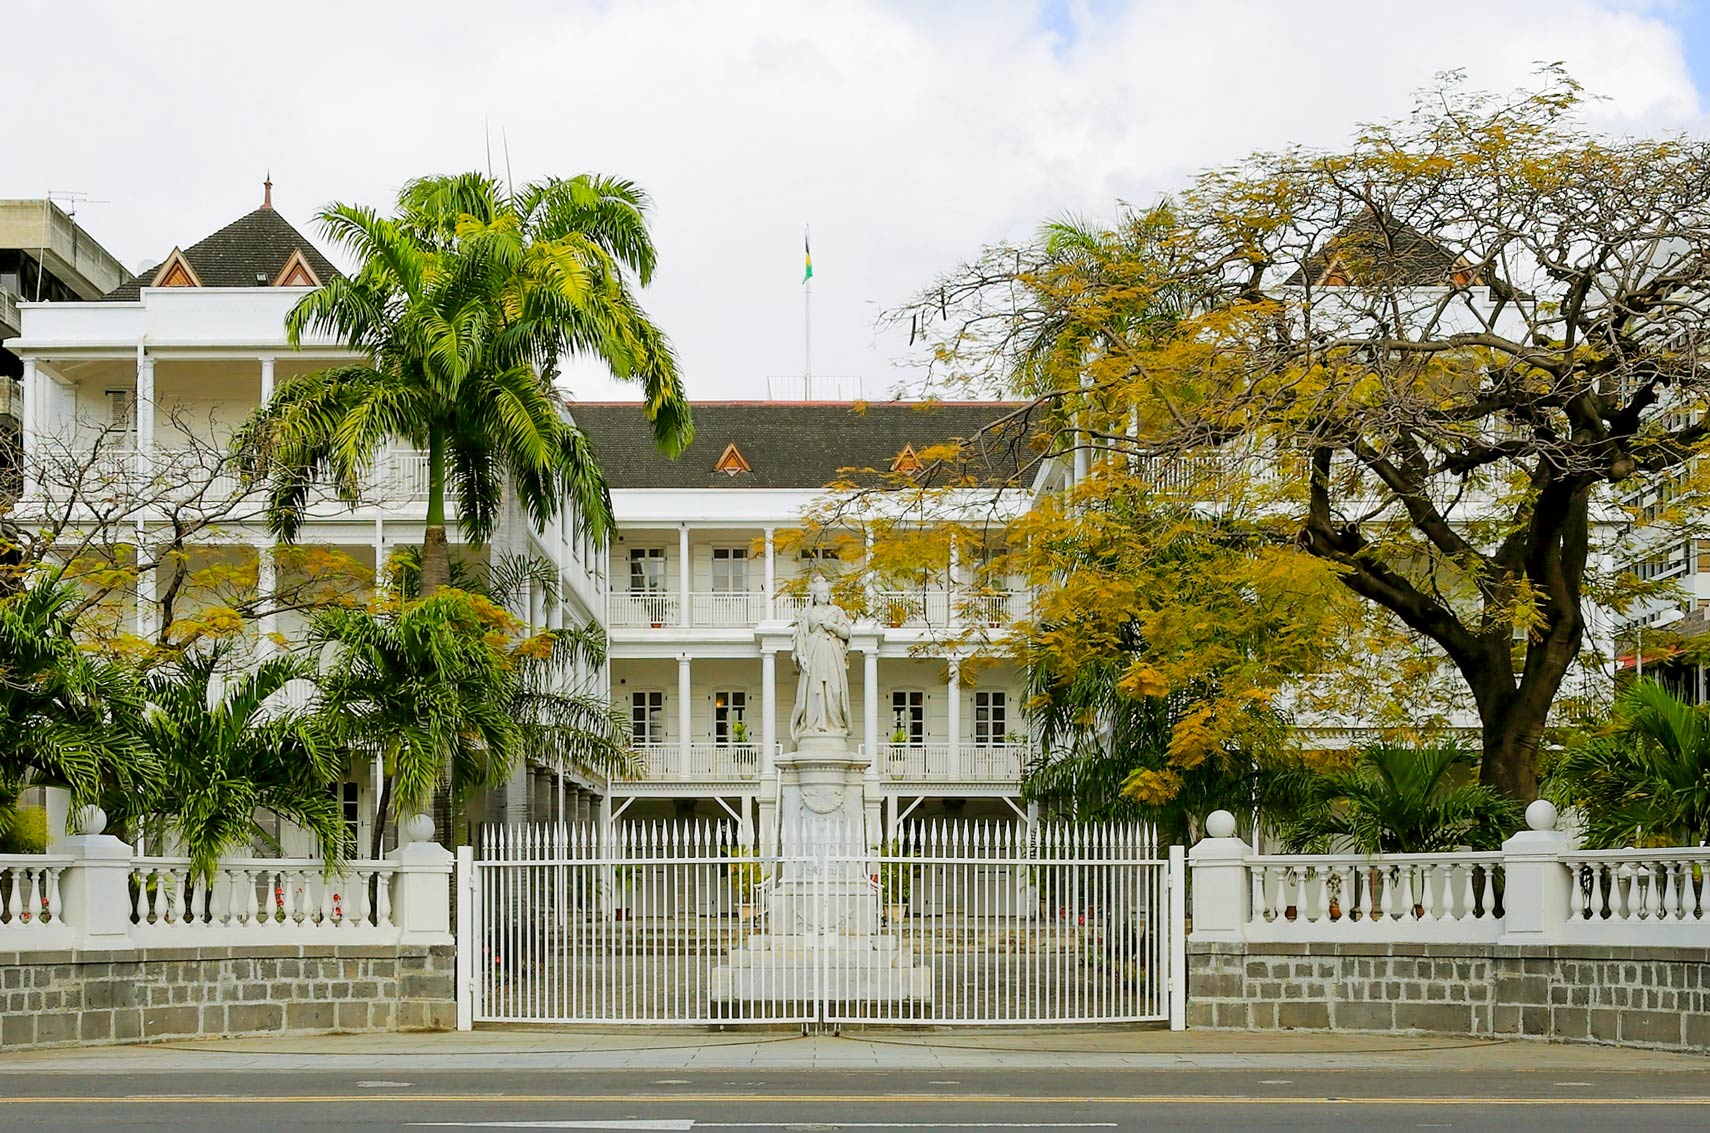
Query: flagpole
x=807 y=323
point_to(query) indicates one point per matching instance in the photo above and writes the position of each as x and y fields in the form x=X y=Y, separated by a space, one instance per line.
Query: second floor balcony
x=914 y=764
x=745 y=609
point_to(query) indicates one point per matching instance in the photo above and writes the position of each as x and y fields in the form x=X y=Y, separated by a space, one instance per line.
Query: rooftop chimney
x=267 y=192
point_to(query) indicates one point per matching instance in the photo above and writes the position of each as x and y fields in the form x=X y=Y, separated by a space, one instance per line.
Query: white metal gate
x=955 y=923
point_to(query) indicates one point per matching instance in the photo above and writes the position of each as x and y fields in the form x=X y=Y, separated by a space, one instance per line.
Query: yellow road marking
x=838 y=1099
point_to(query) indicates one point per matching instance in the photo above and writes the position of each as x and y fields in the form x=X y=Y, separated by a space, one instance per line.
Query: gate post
x=466 y=937
x=1178 y=938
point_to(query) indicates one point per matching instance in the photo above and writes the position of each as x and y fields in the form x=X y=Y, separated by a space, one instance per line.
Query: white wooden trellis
x=688 y=923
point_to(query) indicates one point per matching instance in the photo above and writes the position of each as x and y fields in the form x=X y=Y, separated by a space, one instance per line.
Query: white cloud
x=906 y=134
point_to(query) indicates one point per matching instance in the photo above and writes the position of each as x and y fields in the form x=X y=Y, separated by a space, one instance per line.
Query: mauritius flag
x=807 y=256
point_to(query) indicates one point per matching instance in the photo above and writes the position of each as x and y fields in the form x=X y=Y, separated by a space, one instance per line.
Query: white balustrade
x=727 y=608
x=276 y=899
x=1424 y=897
x=1631 y=896
x=914 y=762
x=30 y=909
x=912 y=609
x=641 y=608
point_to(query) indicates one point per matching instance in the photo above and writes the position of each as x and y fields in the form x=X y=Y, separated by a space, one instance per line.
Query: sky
x=907 y=135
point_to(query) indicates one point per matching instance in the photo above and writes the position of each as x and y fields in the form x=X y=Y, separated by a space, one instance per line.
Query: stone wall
x=1656 y=997
x=146 y=995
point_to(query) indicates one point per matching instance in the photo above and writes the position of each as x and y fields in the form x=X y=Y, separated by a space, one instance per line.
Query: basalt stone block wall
x=1654 y=997
x=145 y=995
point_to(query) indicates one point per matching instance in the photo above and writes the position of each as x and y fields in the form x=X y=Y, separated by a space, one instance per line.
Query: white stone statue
x=822 y=667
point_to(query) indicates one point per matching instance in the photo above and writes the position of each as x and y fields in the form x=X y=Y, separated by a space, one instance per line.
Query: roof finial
x=267 y=191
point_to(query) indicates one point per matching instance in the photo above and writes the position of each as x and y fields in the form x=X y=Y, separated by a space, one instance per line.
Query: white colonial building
x=138 y=393
x=707 y=570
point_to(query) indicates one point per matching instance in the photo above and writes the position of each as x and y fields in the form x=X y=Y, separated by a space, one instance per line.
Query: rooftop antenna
x=505 y=140
x=71 y=197
x=487 y=132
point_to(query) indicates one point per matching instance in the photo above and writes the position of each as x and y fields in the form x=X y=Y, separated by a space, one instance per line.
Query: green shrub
x=24 y=831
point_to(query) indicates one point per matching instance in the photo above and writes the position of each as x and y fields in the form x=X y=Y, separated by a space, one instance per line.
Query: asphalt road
x=1212 y=1100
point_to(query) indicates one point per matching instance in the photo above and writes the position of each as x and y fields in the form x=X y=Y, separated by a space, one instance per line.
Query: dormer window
x=732 y=463
x=907 y=462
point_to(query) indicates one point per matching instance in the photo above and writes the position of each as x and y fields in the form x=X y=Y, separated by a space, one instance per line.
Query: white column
x=266 y=380
x=34 y=403
x=771 y=574
x=952 y=583
x=870 y=702
x=768 y=706
x=1220 y=890
x=685 y=716
x=145 y=414
x=684 y=573
x=1537 y=886
x=953 y=763
x=379 y=553
x=869 y=585
x=148 y=616
x=266 y=582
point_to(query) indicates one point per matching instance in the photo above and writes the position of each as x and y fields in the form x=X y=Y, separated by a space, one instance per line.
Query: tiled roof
x=249 y=252
x=800 y=444
x=1386 y=256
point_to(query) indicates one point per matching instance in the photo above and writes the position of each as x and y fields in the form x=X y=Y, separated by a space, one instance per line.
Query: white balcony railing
x=727 y=608
x=642 y=608
x=703 y=760
x=176 y=473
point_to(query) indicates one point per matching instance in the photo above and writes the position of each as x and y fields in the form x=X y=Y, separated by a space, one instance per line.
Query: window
x=908 y=717
x=728 y=725
x=347 y=796
x=991 y=718
x=647 y=570
x=122 y=410
x=730 y=570
x=647 y=718
x=820 y=555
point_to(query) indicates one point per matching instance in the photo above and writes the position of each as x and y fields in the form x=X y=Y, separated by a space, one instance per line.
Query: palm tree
x=1646 y=783
x=465 y=302
x=227 y=759
x=428 y=686
x=1396 y=799
x=62 y=710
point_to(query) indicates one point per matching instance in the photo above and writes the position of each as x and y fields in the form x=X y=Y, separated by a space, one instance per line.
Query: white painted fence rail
x=280 y=900
x=32 y=913
x=1539 y=888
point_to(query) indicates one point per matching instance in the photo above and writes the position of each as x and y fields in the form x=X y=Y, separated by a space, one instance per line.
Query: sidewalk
x=685 y=1049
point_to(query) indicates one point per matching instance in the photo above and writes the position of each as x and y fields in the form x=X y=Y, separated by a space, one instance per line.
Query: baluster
x=199 y=901
x=383 y=900
x=251 y=898
x=1311 y=894
x=1433 y=878
x=326 y=919
x=1256 y=883
x=1656 y=876
x=15 y=897
x=356 y=892
x=33 y=900
x=54 y=908
x=1597 y=891
x=1681 y=875
x=140 y=902
x=1407 y=874
x=1575 y=896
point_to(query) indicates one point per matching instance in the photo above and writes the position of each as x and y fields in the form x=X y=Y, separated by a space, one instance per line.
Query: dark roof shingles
x=257 y=245
x=800 y=444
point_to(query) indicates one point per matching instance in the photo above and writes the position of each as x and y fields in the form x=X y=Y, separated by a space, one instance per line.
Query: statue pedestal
x=821 y=937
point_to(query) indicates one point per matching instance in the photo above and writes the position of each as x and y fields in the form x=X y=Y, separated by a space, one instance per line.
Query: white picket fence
x=686 y=923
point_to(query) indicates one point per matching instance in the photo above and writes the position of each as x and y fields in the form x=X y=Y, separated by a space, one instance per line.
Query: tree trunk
x=436 y=551
x=379 y=840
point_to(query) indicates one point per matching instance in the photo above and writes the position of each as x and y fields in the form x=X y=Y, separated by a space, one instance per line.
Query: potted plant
x=899 y=744
x=896 y=882
x=896 y=612
x=745 y=879
x=747 y=755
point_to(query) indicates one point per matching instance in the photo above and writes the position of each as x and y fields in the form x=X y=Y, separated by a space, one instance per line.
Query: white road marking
x=1276 y=1081
x=610 y=1123
x=381 y=1085
x=684 y=1123
x=1570 y=1083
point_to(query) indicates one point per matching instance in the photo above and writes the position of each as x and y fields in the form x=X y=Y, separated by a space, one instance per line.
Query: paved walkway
x=668 y=1050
